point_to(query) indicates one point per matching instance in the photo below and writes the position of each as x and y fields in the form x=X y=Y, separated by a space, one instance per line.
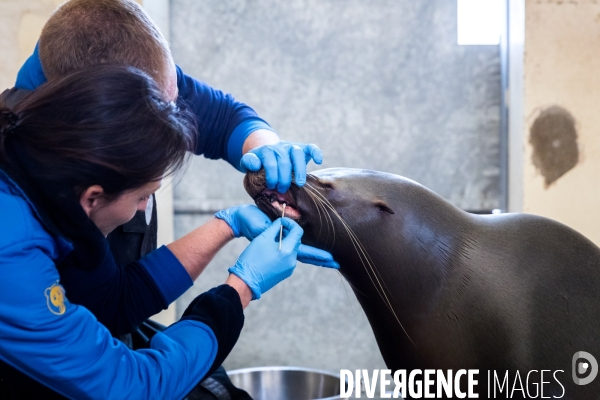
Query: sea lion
x=445 y=289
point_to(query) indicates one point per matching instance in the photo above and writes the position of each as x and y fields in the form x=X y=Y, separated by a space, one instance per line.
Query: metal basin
x=287 y=383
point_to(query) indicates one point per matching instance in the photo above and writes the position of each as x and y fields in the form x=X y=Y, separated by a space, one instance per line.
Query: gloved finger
x=267 y=157
x=325 y=264
x=256 y=222
x=272 y=232
x=291 y=240
x=314 y=256
x=250 y=162
x=299 y=165
x=312 y=151
x=284 y=168
x=282 y=227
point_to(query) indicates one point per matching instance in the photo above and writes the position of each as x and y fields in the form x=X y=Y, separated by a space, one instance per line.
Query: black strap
x=216 y=388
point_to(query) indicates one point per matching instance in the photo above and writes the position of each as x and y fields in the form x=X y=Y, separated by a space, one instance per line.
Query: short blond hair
x=83 y=33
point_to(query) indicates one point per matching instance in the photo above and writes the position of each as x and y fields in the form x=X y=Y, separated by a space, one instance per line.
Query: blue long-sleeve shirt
x=63 y=346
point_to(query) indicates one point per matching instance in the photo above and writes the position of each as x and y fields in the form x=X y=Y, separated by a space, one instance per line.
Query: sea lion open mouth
x=270 y=201
x=276 y=200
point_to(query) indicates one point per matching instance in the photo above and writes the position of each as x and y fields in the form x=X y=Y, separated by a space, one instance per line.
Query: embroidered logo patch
x=55 y=298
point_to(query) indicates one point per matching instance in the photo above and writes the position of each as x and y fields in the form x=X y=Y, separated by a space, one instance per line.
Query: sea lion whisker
x=380 y=290
x=364 y=259
x=353 y=238
x=351 y=234
x=350 y=231
x=370 y=260
x=316 y=195
x=322 y=205
x=362 y=253
x=317 y=202
x=329 y=223
x=311 y=197
x=325 y=202
x=355 y=288
x=356 y=242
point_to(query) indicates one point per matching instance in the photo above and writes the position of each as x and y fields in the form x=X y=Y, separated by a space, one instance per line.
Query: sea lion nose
x=255 y=182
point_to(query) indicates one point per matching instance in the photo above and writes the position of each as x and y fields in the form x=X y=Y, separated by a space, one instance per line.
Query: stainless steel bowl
x=287 y=383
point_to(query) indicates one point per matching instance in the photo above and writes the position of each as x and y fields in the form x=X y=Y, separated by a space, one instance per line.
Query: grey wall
x=376 y=84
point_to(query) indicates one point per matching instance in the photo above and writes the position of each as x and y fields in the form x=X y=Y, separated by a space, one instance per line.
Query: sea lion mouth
x=270 y=201
x=276 y=200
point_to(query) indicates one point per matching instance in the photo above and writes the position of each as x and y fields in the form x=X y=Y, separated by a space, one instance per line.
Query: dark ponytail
x=8 y=123
x=106 y=125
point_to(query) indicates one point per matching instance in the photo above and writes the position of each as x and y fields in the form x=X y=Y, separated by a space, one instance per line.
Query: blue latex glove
x=262 y=265
x=248 y=221
x=279 y=159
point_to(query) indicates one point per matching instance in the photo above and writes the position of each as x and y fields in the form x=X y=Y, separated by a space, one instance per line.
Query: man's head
x=83 y=33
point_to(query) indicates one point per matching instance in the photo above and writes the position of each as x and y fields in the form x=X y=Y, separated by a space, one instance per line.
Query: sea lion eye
x=383 y=207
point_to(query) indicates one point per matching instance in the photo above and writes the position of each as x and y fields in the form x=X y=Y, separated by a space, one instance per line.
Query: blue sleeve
x=31 y=75
x=62 y=345
x=171 y=278
x=122 y=297
x=223 y=123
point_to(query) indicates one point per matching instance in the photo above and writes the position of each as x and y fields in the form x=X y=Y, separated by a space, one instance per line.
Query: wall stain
x=554 y=139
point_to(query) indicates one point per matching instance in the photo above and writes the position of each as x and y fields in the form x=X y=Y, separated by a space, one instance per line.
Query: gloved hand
x=248 y=221
x=279 y=159
x=262 y=265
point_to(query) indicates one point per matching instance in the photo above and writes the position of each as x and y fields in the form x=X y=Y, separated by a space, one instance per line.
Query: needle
x=281 y=227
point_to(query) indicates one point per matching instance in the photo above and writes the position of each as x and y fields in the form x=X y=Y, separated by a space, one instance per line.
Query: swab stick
x=281 y=227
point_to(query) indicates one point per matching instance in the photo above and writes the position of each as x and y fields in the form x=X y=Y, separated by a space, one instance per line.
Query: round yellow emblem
x=55 y=298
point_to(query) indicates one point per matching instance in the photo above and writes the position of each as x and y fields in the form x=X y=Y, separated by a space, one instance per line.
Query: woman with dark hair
x=79 y=157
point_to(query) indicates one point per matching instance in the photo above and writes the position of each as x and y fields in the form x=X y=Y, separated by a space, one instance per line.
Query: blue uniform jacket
x=63 y=346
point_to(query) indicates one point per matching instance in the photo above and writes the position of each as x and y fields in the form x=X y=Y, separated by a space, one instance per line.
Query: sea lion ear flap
x=383 y=207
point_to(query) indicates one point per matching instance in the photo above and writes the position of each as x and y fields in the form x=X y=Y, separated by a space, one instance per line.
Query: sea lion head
x=383 y=229
x=373 y=225
x=332 y=201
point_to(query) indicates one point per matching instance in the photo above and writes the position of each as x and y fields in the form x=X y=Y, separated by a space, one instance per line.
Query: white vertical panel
x=516 y=118
x=158 y=10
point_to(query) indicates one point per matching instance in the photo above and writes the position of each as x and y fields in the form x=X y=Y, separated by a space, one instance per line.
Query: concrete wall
x=21 y=22
x=380 y=85
x=562 y=64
